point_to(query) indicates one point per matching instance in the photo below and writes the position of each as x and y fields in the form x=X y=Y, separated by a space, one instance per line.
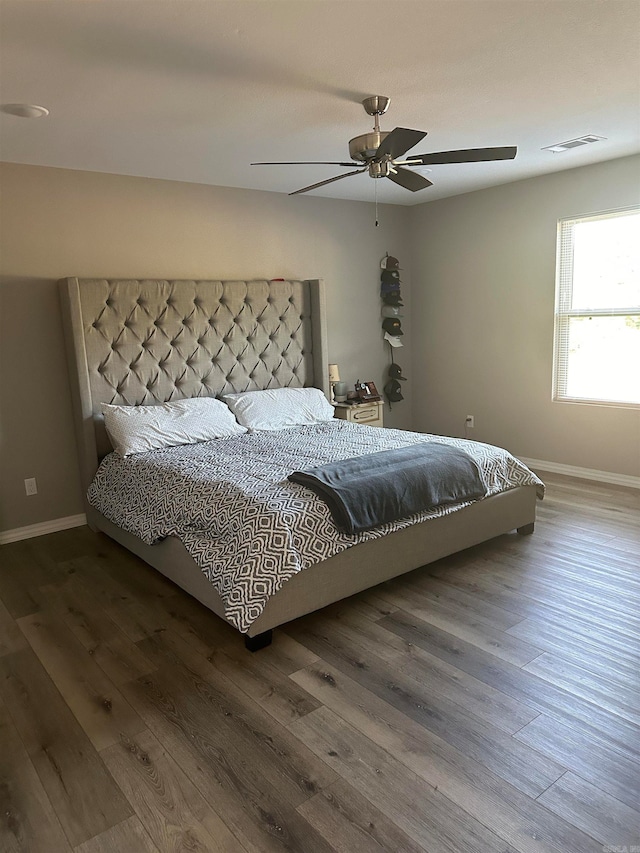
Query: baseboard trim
x=56 y=524
x=584 y=473
x=41 y=529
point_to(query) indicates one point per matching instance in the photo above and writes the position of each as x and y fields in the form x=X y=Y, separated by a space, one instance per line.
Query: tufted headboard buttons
x=148 y=341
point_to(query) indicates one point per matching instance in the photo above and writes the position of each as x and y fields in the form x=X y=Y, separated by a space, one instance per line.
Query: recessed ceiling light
x=24 y=110
x=559 y=147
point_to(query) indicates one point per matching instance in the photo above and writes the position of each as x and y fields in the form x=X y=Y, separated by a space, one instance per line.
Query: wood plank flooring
x=486 y=703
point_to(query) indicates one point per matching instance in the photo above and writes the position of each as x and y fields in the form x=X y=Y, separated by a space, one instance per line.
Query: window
x=597 y=321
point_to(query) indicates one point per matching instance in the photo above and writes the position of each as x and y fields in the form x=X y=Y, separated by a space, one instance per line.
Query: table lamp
x=339 y=389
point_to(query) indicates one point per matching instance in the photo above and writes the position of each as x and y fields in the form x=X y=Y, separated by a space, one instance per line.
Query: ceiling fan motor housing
x=363 y=148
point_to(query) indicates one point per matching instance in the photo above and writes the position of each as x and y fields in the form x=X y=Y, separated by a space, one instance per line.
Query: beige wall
x=479 y=321
x=57 y=223
x=483 y=269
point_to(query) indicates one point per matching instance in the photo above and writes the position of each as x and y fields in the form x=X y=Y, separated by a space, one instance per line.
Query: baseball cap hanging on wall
x=395 y=372
x=393 y=340
x=392 y=298
x=391 y=311
x=392 y=325
x=390 y=277
x=389 y=263
x=393 y=391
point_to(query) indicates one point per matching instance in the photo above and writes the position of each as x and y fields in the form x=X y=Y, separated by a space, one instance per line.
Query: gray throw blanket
x=368 y=491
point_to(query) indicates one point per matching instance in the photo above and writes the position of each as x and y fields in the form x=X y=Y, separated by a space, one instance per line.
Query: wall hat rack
x=391 y=295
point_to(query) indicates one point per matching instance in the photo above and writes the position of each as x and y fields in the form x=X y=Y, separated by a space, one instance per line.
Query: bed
x=134 y=342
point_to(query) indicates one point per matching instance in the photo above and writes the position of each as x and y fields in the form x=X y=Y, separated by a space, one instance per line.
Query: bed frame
x=148 y=341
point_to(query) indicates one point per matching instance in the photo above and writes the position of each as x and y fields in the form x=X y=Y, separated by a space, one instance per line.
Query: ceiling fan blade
x=329 y=181
x=305 y=163
x=409 y=180
x=465 y=155
x=400 y=140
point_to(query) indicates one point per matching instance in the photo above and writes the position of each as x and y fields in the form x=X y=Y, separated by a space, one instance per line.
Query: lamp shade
x=334 y=373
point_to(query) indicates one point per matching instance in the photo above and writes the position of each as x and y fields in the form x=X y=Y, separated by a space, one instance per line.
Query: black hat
x=390 y=276
x=392 y=298
x=393 y=391
x=389 y=287
x=395 y=372
x=392 y=325
x=390 y=263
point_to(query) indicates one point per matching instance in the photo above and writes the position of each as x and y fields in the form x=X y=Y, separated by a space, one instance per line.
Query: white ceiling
x=195 y=91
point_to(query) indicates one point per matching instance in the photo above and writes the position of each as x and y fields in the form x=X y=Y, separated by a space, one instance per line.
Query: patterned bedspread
x=242 y=521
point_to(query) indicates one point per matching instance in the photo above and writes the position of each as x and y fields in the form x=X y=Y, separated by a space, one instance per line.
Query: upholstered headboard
x=149 y=341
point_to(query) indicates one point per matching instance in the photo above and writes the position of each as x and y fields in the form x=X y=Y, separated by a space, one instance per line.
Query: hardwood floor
x=488 y=702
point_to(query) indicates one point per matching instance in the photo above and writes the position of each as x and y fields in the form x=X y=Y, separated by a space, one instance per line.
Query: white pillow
x=279 y=408
x=137 y=429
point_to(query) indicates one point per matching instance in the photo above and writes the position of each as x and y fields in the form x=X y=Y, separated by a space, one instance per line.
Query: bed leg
x=526 y=529
x=260 y=641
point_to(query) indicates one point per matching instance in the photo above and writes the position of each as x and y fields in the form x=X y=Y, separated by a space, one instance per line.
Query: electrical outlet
x=30 y=486
x=470 y=422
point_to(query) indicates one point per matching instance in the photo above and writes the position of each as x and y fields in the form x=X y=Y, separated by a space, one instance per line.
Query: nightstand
x=370 y=414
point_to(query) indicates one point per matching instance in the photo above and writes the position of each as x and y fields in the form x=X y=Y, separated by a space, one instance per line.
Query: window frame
x=564 y=311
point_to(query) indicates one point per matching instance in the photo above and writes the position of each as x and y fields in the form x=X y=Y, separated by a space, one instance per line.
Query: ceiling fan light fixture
x=24 y=110
x=380 y=169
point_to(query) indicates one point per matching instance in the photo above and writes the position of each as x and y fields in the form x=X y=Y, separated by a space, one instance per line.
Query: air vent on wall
x=573 y=143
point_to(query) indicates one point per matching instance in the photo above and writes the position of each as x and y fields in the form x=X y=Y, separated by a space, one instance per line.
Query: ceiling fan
x=379 y=153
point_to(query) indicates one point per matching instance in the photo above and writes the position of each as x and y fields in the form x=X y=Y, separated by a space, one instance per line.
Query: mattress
x=244 y=524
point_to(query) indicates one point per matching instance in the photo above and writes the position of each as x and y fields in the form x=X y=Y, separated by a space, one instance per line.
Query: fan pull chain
x=375 y=195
